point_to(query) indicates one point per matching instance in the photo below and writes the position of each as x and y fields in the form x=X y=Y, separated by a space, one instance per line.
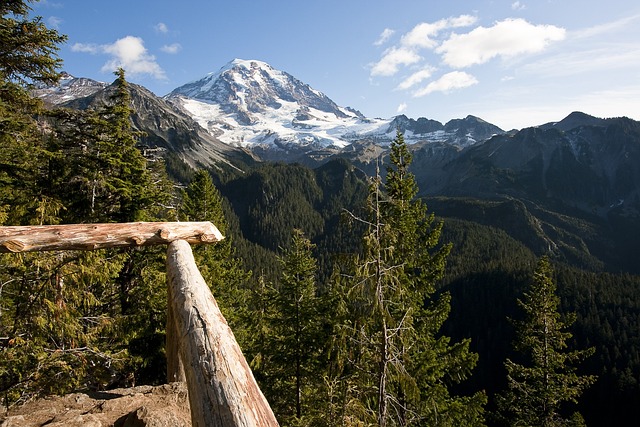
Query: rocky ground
x=144 y=406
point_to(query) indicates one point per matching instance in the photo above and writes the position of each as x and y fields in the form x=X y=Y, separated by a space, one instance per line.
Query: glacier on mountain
x=248 y=103
x=252 y=106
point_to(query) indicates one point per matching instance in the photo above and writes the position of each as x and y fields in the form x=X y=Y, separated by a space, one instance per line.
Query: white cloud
x=416 y=78
x=392 y=59
x=129 y=53
x=54 y=22
x=85 y=48
x=506 y=38
x=448 y=82
x=518 y=6
x=421 y=36
x=384 y=36
x=620 y=25
x=171 y=48
x=461 y=21
x=402 y=108
x=161 y=27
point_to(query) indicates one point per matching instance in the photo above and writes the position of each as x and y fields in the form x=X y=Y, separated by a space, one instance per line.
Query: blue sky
x=512 y=63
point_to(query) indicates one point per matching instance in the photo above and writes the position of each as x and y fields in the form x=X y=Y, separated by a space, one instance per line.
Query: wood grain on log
x=175 y=368
x=222 y=389
x=100 y=236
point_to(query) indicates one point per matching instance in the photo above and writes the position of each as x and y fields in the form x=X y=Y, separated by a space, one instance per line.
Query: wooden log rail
x=100 y=236
x=201 y=348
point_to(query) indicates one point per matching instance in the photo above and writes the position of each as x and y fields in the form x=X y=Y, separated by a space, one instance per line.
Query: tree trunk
x=222 y=389
x=100 y=236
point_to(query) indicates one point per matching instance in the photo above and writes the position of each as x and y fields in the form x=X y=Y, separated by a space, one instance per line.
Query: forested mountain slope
x=495 y=246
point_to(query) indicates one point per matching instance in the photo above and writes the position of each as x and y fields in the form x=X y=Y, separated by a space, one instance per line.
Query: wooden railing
x=201 y=348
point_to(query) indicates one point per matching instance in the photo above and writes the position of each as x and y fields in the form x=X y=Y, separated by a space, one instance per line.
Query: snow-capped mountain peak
x=249 y=103
x=254 y=86
x=68 y=88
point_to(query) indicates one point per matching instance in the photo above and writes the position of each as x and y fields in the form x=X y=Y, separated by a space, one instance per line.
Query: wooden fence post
x=222 y=389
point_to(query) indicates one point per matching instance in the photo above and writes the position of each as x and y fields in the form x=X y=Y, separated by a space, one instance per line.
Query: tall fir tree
x=28 y=55
x=403 y=365
x=221 y=269
x=100 y=315
x=539 y=388
x=297 y=335
x=127 y=190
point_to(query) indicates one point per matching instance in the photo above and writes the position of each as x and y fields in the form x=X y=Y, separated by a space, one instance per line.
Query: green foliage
x=273 y=199
x=275 y=196
x=79 y=320
x=298 y=341
x=488 y=269
x=123 y=187
x=538 y=387
x=27 y=55
x=28 y=48
x=53 y=323
x=97 y=167
x=223 y=272
x=401 y=366
x=289 y=334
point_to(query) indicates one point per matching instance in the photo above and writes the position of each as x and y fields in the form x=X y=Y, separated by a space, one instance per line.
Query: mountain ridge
x=252 y=107
x=461 y=157
x=163 y=127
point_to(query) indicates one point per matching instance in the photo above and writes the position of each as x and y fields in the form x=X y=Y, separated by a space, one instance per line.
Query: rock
x=18 y=420
x=144 y=406
x=87 y=420
x=156 y=417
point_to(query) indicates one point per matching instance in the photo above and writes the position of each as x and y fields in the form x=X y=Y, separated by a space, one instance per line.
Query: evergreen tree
x=28 y=49
x=297 y=341
x=28 y=54
x=538 y=388
x=223 y=272
x=201 y=201
x=97 y=174
x=39 y=323
x=123 y=188
x=402 y=365
x=99 y=168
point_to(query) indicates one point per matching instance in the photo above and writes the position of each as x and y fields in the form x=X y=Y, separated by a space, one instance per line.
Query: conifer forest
x=356 y=299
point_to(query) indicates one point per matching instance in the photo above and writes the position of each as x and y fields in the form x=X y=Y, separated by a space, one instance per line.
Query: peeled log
x=175 y=368
x=100 y=236
x=222 y=389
